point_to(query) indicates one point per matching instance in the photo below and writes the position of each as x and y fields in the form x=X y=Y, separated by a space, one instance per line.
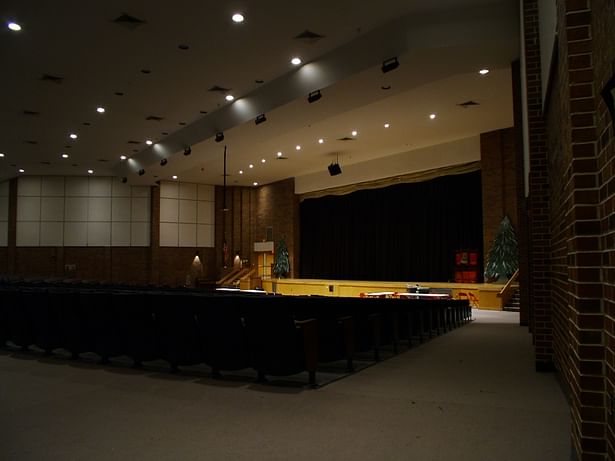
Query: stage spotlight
x=314 y=96
x=335 y=169
x=389 y=65
x=163 y=162
x=260 y=119
x=124 y=180
x=187 y=151
x=141 y=172
x=219 y=136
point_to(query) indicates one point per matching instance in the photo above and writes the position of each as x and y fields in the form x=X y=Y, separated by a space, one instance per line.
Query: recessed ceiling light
x=263 y=161
x=386 y=125
x=21 y=170
x=298 y=147
x=1 y=155
x=238 y=17
x=100 y=110
x=255 y=183
x=240 y=171
x=72 y=136
x=320 y=141
x=279 y=154
x=483 y=71
x=90 y=171
x=64 y=155
x=354 y=133
x=229 y=97
x=14 y=26
x=149 y=142
x=295 y=61
x=251 y=166
x=123 y=157
x=432 y=116
x=174 y=176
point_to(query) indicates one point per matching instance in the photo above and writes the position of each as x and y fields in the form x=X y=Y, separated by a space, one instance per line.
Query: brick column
x=539 y=248
x=584 y=256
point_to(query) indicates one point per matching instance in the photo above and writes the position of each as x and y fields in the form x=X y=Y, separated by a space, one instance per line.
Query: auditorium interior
x=300 y=230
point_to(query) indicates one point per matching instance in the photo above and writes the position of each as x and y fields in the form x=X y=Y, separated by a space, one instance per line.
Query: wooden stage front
x=480 y=295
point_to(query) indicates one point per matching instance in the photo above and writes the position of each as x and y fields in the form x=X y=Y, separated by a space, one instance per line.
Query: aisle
x=471 y=394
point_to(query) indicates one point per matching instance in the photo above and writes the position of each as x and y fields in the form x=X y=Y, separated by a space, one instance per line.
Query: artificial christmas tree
x=281 y=264
x=503 y=259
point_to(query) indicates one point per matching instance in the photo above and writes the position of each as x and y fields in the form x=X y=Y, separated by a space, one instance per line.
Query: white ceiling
x=441 y=46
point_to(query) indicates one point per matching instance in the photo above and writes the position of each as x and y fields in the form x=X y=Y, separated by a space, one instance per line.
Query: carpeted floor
x=471 y=394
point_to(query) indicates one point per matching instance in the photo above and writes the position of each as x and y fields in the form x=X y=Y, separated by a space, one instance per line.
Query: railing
x=509 y=289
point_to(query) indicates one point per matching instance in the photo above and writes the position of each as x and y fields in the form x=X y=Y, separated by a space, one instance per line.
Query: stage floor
x=480 y=295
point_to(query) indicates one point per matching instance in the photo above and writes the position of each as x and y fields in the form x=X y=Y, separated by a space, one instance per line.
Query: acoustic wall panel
x=29 y=186
x=4 y=233
x=28 y=234
x=187 y=214
x=187 y=211
x=79 y=211
x=75 y=234
x=120 y=189
x=51 y=234
x=169 y=189
x=140 y=209
x=120 y=234
x=140 y=234
x=99 y=187
x=4 y=213
x=187 y=235
x=120 y=209
x=99 y=209
x=52 y=208
x=76 y=186
x=187 y=191
x=29 y=209
x=52 y=186
x=169 y=210
x=169 y=234
x=99 y=234
x=76 y=209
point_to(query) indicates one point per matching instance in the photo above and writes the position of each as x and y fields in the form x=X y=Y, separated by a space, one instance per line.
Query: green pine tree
x=281 y=264
x=503 y=258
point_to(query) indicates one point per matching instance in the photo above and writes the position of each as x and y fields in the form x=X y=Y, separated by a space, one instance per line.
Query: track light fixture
x=187 y=151
x=314 y=96
x=260 y=119
x=389 y=65
x=124 y=180
x=163 y=162
x=219 y=136
x=141 y=172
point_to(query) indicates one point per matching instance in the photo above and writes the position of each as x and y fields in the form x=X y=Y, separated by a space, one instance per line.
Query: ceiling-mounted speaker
x=335 y=169
x=389 y=65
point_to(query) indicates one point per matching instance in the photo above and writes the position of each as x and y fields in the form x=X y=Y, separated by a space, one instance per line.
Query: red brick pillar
x=584 y=246
x=538 y=209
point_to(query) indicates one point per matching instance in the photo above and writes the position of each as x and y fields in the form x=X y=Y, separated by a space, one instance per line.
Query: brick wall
x=499 y=180
x=578 y=175
x=277 y=207
x=251 y=212
x=538 y=202
x=603 y=61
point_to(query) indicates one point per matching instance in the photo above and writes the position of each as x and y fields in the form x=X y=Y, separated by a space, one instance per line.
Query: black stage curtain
x=401 y=232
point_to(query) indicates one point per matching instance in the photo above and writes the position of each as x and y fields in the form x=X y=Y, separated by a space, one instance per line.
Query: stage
x=480 y=295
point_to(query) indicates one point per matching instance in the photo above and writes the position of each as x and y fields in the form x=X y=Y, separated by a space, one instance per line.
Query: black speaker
x=335 y=169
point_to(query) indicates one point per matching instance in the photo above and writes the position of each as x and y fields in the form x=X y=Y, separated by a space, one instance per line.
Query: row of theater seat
x=275 y=335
